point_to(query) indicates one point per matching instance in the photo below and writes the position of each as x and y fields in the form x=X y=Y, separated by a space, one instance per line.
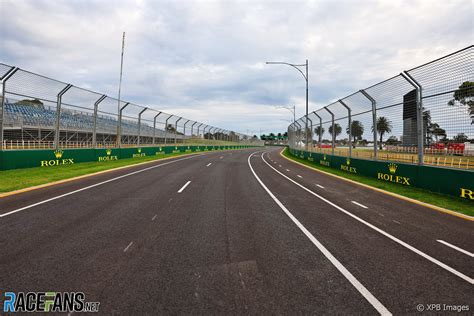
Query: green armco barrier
x=456 y=182
x=17 y=159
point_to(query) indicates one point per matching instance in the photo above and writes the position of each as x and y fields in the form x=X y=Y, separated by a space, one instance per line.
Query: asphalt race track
x=236 y=232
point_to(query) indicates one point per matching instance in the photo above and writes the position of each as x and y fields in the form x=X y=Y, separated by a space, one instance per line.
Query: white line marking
x=396 y=222
x=404 y=244
x=358 y=204
x=288 y=170
x=299 y=176
x=154 y=217
x=209 y=164
x=221 y=157
x=470 y=254
x=129 y=245
x=184 y=187
x=92 y=186
x=279 y=166
x=359 y=287
x=318 y=185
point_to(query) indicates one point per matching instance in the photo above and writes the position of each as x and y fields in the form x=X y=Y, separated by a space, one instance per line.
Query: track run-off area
x=245 y=232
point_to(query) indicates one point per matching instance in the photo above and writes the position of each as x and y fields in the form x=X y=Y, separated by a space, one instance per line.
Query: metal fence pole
x=166 y=128
x=192 y=129
x=374 y=119
x=199 y=135
x=94 y=131
x=140 y=125
x=350 y=126
x=184 y=130
x=58 y=115
x=333 y=130
x=298 y=137
x=419 y=114
x=4 y=79
x=176 y=131
x=320 y=131
x=310 y=134
x=154 y=127
x=119 y=129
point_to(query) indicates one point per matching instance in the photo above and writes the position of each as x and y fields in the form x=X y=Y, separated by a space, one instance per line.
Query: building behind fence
x=40 y=112
x=424 y=115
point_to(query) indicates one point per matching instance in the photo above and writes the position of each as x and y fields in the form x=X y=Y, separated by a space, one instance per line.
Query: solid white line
x=184 y=187
x=318 y=185
x=92 y=186
x=470 y=254
x=154 y=217
x=404 y=244
x=299 y=176
x=129 y=245
x=358 y=204
x=359 y=287
x=209 y=164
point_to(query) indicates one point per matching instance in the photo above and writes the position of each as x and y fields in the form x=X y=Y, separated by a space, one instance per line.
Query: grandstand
x=30 y=122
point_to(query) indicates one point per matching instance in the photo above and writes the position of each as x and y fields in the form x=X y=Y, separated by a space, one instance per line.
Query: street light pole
x=305 y=78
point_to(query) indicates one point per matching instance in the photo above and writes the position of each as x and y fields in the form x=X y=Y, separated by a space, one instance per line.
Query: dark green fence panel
x=456 y=182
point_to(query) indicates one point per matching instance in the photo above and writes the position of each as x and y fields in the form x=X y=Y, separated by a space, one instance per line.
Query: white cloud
x=205 y=59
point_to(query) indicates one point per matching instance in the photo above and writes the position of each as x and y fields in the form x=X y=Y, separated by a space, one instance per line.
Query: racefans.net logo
x=52 y=302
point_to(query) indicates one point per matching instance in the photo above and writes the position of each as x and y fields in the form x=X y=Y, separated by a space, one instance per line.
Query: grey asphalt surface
x=223 y=246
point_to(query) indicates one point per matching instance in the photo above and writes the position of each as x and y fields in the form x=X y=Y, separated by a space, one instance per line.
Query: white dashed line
x=288 y=170
x=396 y=221
x=184 y=187
x=129 y=245
x=470 y=254
x=154 y=217
x=209 y=164
x=279 y=166
x=320 y=186
x=358 y=204
x=221 y=157
x=299 y=176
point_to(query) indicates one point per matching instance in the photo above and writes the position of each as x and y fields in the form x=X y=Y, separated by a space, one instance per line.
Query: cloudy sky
x=205 y=60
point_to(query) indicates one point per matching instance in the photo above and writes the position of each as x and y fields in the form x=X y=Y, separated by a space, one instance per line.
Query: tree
x=384 y=125
x=285 y=135
x=392 y=140
x=436 y=130
x=357 y=129
x=279 y=136
x=337 y=130
x=461 y=138
x=319 y=131
x=263 y=137
x=464 y=97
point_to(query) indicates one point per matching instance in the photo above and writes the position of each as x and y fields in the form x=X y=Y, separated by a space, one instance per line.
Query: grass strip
x=442 y=200
x=16 y=179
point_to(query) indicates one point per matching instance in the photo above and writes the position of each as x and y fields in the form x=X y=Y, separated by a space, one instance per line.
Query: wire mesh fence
x=38 y=112
x=424 y=115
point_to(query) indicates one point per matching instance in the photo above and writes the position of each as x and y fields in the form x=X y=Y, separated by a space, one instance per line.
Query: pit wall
x=18 y=159
x=455 y=182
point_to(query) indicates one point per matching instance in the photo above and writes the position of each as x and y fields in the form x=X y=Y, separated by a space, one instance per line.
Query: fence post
x=192 y=130
x=374 y=119
x=350 y=126
x=310 y=134
x=320 y=134
x=166 y=128
x=94 y=130
x=199 y=135
x=4 y=79
x=58 y=114
x=154 y=126
x=140 y=125
x=419 y=114
x=184 y=130
x=176 y=131
x=298 y=136
x=119 y=129
x=333 y=130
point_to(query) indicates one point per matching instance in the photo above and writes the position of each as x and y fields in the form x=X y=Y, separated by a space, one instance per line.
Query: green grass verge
x=441 y=200
x=11 y=180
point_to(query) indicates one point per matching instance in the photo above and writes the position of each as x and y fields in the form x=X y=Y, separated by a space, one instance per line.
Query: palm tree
x=337 y=130
x=357 y=129
x=384 y=125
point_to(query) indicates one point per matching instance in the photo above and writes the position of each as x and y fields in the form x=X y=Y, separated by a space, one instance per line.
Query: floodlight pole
x=305 y=77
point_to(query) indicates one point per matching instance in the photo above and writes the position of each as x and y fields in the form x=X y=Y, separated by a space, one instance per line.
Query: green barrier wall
x=456 y=182
x=17 y=159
